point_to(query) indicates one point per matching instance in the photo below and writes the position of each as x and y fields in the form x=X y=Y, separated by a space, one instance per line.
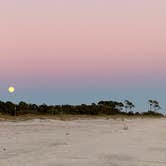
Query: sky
x=72 y=52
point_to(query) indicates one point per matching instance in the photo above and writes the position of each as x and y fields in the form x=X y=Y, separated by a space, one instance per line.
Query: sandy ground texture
x=137 y=142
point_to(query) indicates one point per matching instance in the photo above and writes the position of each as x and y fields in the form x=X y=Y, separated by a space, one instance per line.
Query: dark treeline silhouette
x=101 y=108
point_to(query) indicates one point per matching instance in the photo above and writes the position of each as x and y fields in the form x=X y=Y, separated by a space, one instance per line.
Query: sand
x=93 y=142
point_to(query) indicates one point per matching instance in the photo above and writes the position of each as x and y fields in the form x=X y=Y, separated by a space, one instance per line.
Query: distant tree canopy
x=154 y=105
x=112 y=104
x=101 y=108
x=128 y=105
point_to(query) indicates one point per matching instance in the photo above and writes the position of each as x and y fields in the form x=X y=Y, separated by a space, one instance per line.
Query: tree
x=101 y=108
x=22 y=108
x=10 y=108
x=2 y=107
x=110 y=107
x=43 y=108
x=128 y=105
x=32 y=108
x=154 y=105
x=119 y=106
x=112 y=104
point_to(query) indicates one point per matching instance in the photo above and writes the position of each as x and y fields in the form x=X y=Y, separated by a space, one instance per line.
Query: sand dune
x=137 y=142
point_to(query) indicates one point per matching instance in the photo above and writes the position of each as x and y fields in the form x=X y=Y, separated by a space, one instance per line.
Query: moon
x=11 y=89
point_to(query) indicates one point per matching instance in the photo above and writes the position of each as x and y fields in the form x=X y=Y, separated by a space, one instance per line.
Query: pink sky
x=80 y=41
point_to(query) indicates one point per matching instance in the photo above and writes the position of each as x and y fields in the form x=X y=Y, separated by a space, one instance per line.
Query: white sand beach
x=93 y=142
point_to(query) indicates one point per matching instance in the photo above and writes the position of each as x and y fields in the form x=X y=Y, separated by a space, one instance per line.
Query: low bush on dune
x=152 y=113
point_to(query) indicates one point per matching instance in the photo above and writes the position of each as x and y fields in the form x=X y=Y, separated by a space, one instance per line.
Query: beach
x=90 y=142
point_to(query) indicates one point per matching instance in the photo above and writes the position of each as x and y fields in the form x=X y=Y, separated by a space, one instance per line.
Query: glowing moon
x=11 y=89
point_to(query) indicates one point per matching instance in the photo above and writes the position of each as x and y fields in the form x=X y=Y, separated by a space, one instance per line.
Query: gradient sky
x=81 y=51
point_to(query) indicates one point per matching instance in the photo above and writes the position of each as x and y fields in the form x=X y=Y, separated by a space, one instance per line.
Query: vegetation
x=154 y=105
x=128 y=105
x=101 y=108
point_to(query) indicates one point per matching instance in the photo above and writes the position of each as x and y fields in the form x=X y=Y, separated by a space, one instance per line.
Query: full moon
x=11 y=89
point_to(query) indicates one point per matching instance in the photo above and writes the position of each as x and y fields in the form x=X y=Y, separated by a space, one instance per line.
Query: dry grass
x=66 y=117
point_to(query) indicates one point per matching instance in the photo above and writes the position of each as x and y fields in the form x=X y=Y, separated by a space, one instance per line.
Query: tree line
x=100 y=108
